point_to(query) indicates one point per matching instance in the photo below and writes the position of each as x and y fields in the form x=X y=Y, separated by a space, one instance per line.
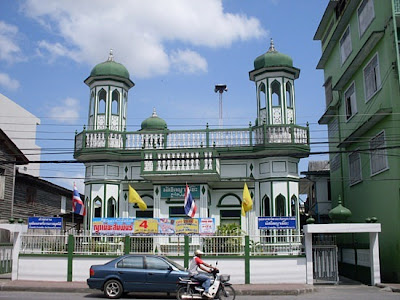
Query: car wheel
x=113 y=289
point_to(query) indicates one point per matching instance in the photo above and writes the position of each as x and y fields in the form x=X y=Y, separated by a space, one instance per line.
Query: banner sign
x=114 y=226
x=187 y=226
x=45 y=222
x=276 y=222
x=130 y=226
x=178 y=191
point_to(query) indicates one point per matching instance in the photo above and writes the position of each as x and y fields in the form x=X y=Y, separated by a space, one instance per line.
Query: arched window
x=261 y=96
x=115 y=103
x=92 y=104
x=230 y=209
x=293 y=206
x=289 y=99
x=276 y=93
x=280 y=206
x=111 y=208
x=102 y=101
x=97 y=204
x=267 y=206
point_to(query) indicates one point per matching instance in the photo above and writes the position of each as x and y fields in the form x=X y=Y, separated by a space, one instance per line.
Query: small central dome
x=154 y=122
x=272 y=58
x=110 y=68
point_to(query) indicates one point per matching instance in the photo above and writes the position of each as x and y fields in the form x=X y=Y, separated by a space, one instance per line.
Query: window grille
x=378 y=156
x=355 y=168
x=366 y=14
x=372 y=79
x=350 y=102
x=345 y=45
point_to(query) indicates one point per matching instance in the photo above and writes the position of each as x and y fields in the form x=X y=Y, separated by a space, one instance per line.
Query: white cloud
x=140 y=32
x=7 y=82
x=67 y=112
x=187 y=61
x=9 y=49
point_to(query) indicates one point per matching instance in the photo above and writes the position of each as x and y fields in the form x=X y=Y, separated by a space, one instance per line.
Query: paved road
x=326 y=293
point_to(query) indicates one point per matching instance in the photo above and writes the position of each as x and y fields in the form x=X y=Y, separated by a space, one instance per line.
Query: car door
x=160 y=275
x=131 y=270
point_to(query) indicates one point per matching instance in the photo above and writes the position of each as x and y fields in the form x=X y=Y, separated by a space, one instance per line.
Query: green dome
x=272 y=58
x=154 y=122
x=110 y=68
x=339 y=213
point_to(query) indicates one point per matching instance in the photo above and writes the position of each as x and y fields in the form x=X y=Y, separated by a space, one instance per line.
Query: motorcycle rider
x=196 y=263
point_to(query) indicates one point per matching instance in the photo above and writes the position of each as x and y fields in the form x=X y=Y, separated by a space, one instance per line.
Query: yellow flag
x=247 y=203
x=135 y=198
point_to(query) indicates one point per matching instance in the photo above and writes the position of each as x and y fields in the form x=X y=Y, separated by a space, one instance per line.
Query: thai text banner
x=144 y=226
x=276 y=222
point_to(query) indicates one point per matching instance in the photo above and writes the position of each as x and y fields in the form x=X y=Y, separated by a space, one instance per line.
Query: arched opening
x=91 y=105
x=276 y=93
x=289 y=98
x=261 y=96
x=267 y=206
x=293 y=206
x=111 y=208
x=230 y=209
x=115 y=103
x=97 y=205
x=280 y=206
x=102 y=101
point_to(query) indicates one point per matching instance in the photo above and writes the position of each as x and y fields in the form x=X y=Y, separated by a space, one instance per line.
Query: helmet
x=198 y=252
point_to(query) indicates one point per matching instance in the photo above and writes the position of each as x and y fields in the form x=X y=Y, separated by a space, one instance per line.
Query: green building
x=360 y=59
x=215 y=162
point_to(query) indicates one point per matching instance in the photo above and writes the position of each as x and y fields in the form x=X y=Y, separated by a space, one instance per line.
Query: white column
x=309 y=262
x=157 y=201
x=374 y=258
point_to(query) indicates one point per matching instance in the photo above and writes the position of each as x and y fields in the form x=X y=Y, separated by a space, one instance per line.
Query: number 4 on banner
x=144 y=225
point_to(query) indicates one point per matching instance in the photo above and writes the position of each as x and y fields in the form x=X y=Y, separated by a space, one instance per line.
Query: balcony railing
x=196 y=139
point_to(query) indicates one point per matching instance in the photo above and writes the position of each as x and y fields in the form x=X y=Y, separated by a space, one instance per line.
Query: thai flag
x=190 y=205
x=77 y=203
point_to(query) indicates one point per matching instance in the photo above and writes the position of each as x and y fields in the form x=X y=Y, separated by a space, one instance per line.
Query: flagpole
x=72 y=208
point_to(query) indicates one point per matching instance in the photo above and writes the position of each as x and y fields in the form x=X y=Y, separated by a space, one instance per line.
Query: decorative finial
x=111 y=56
x=272 y=46
x=154 y=113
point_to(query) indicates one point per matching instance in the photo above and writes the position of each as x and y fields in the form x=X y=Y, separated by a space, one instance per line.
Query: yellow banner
x=145 y=226
x=187 y=226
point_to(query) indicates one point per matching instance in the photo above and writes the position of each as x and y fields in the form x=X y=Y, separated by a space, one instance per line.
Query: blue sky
x=175 y=52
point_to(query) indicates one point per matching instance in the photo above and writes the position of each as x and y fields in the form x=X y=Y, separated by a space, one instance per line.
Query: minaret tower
x=109 y=83
x=274 y=76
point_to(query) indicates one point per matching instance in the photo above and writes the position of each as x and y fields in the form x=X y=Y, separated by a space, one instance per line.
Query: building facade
x=215 y=163
x=360 y=59
x=20 y=126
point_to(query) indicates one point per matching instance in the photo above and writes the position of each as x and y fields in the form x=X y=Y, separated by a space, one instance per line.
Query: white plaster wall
x=278 y=270
x=42 y=268
x=262 y=270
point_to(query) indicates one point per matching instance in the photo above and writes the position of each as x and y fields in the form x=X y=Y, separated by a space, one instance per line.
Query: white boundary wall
x=262 y=270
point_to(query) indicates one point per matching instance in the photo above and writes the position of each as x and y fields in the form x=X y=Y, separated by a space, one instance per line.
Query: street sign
x=45 y=222
x=276 y=222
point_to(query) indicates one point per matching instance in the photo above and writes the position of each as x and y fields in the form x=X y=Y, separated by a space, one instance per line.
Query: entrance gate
x=325 y=259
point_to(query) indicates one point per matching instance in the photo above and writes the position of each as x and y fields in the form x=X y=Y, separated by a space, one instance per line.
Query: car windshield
x=175 y=264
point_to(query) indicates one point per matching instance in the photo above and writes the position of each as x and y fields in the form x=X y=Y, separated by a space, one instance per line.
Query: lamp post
x=220 y=88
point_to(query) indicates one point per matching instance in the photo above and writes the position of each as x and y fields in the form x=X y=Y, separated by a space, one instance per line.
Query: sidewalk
x=241 y=289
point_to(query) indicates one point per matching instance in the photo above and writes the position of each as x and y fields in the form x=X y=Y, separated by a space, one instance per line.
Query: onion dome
x=339 y=213
x=272 y=58
x=273 y=61
x=154 y=122
x=110 y=70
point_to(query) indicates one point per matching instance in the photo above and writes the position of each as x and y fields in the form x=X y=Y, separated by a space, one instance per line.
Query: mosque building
x=215 y=163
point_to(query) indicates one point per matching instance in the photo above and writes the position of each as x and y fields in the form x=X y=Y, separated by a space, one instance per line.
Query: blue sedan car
x=136 y=273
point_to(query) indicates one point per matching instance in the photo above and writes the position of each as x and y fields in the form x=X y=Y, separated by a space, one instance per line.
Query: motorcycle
x=221 y=288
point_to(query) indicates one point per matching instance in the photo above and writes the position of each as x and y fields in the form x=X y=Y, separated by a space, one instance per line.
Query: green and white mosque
x=157 y=162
